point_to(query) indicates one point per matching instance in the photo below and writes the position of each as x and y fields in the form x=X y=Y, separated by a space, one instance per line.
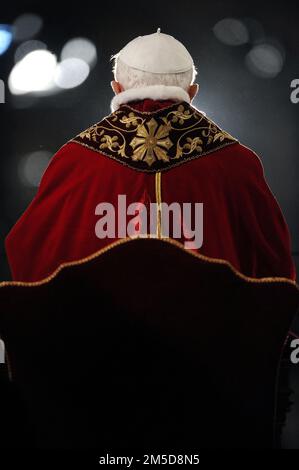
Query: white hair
x=129 y=77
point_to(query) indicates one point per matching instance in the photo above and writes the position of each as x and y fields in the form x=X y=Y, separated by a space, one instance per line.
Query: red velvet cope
x=148 y=105
x=243 y=223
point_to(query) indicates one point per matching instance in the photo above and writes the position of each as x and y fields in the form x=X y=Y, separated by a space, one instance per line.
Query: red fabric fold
x=243 y=223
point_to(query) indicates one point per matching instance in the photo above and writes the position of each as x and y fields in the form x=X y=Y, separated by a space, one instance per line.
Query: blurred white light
x=32 y=167
x=71 y=73
x=35 y=72
x=265 y=61
x=231 y=31
x=27 y=26
x=5 y=38
x=27 y=47
x=80 y=48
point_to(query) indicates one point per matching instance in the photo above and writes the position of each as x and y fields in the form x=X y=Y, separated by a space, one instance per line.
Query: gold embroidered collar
x=155 y=141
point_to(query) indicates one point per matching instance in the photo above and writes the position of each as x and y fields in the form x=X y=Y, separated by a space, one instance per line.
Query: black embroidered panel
x=155 y=141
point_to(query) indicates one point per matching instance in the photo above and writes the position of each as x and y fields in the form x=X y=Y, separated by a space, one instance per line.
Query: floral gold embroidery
x=155 y=141
x=181 y=115
x=151 y=144
x=89 y=134
x=130 y=120
x=112 y=144
x=193 y=144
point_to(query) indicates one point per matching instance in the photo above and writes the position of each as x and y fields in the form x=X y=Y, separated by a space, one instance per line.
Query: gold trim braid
x=156 y=141
x=170 y=241
x=158 y=178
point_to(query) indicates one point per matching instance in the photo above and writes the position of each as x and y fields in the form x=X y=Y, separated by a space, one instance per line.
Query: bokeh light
x=35 y=72
x=80 y=48
x=71 y=73
x=231 y=32
x=5 y=37
x=27 y=26
x=265 y=60
x=27 y=47
x=32 y=167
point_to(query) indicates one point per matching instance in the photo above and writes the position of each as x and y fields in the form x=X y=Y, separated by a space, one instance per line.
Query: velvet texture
x=243 y=223
x=172 y=353
x=155 y=141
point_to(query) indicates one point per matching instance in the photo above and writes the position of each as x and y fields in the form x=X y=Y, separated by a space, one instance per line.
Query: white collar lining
x=155 y=92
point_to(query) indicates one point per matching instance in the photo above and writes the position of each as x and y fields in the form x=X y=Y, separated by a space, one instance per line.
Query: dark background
x=256 y=110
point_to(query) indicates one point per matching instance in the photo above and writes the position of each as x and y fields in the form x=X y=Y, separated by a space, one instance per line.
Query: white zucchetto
x=156 y=53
